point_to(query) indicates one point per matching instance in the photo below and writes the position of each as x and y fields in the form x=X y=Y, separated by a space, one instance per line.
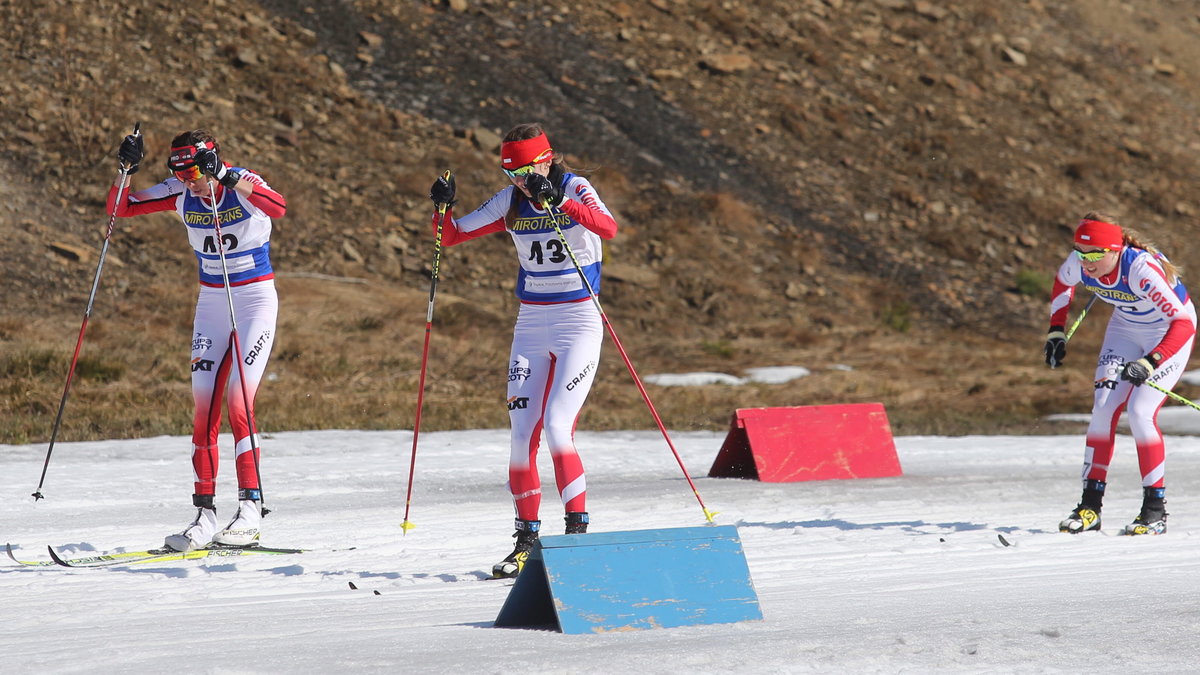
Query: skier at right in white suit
x=1148 y=341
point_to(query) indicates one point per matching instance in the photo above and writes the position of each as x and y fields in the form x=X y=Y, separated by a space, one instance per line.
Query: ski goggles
x=182 y=161
x=519 y=172
x=192 y=173
x=1091 y=256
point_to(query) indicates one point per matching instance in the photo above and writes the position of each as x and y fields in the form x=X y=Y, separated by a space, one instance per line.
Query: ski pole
x=87 y=313
x=412 y=461
x=1173 y=395
x=237 y=348
x=1079 y=319
x=708 y=515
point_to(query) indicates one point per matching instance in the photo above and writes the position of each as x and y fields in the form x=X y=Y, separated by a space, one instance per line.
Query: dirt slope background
x=882 y=184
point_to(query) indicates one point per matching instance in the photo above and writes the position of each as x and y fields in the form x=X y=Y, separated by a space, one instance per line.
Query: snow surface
x=902 y=574
x=766 y=375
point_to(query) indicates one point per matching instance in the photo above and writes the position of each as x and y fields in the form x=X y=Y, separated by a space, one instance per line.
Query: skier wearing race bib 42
x=240 y=206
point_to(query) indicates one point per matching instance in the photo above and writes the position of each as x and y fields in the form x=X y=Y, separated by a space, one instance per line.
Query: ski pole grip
x=442 y=208
x=137 y=133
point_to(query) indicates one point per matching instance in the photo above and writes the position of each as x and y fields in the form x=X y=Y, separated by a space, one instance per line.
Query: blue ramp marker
x=634 y=580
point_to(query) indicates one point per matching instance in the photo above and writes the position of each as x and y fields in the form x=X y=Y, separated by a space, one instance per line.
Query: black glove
x=542 y=190
x=442 y=191
x=1056 y=346
x=131 y=153
x=1138 y=371
x=211 y=164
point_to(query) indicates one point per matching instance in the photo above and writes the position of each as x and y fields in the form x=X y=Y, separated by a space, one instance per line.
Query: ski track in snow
x=901 y=574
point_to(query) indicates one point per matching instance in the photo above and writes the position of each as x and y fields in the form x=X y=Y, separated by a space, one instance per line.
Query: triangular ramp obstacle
x=633 y=580
x=820 y=442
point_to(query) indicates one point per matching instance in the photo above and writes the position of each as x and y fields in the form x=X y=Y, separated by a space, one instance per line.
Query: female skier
x=556 y=342
x=245 y=205
x=1149 y=339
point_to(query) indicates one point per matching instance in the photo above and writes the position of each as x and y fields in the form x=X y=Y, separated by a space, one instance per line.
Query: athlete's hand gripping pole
x=442 y=205
x=1057 y=339
x=125 y=169
x=551 y=212
x=251 y=426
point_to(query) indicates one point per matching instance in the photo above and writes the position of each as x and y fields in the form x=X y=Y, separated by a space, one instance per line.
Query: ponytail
x=1136 y=239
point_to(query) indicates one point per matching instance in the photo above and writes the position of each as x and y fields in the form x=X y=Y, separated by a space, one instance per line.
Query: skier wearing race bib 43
x=558 y=334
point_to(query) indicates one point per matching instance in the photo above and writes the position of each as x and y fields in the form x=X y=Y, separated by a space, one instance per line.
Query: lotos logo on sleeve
x=1164 y=301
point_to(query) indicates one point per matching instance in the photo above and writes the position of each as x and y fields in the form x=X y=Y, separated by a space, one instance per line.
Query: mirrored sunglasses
x=189 y=174
x=519 y=171
x=1091 y=256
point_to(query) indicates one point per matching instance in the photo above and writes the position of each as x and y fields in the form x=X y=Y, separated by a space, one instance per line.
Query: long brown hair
x=1131 y=237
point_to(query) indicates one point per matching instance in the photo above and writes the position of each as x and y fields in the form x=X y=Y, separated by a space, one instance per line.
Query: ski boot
x=526 y=536
x=200 y=533
x=577 y=522
x=1153 y=517
x=244 y=530
x=1086 y=516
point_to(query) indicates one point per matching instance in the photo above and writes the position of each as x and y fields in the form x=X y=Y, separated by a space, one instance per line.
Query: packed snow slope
x=904 y=574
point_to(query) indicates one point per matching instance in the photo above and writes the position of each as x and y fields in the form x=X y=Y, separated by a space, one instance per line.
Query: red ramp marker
x=784 y=445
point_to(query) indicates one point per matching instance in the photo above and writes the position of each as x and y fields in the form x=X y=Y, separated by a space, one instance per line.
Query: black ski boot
x=1086 y=516
x=1153 y=517
x=527 y=536
x=577 y=522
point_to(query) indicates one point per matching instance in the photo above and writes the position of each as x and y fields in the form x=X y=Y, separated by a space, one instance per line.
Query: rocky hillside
x=886 y=184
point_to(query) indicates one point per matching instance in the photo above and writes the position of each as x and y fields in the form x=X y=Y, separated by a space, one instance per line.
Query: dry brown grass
x=758 y=227
x=347 y=355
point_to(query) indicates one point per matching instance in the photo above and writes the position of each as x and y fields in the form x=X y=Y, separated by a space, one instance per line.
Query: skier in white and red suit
x=1148 y=341
x=245 y=205
x=556 y=342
